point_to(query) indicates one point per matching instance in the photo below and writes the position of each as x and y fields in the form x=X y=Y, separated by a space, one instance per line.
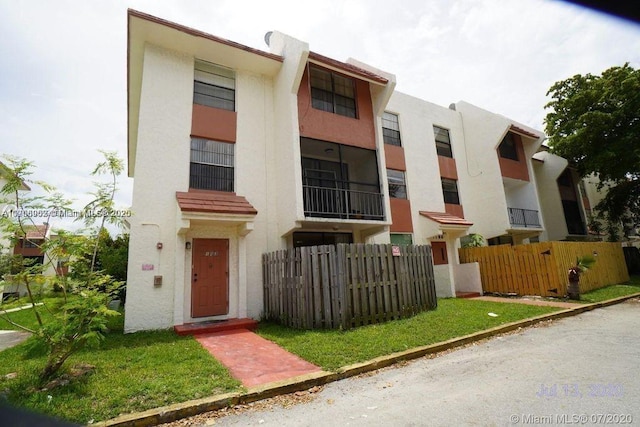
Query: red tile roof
x=214 y=202
x=348 y=68
x=446 y=219
x=34 y=232
x=523 y=132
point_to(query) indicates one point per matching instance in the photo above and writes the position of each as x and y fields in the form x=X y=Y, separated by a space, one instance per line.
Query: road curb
x=177 y=411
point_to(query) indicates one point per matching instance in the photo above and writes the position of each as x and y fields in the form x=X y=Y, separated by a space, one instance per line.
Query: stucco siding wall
x=254 y=159
x=286 y=179
x=444 y=287
x=424 y=188
x=546 y=174
x=162 y=168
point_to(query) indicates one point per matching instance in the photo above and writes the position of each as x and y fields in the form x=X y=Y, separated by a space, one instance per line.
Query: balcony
x=340 y=182
x=343 y=203
x=525 y=218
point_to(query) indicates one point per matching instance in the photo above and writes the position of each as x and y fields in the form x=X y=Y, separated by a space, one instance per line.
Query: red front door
x=210 y=277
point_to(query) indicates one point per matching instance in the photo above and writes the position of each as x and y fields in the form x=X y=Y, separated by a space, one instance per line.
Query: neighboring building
x=236 y=152
x=565 y=203
x=29 y=244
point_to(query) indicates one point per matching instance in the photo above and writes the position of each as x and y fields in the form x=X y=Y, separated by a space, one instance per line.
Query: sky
x=63 y=63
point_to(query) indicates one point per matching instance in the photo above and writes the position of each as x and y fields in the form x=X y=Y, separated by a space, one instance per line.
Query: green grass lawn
x=145 y=370
x=613 y=291
x=332 y=349
x=133 y=372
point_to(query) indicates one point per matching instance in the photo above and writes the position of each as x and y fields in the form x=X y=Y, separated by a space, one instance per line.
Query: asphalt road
x=583 y=370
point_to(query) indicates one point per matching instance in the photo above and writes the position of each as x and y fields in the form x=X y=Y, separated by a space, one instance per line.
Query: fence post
x=344 y=313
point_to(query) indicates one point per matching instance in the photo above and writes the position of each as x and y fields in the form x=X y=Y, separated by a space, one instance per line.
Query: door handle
x=195 y=277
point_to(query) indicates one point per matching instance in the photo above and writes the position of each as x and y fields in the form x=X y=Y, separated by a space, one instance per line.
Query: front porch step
x=210 y=326
x=468 y=294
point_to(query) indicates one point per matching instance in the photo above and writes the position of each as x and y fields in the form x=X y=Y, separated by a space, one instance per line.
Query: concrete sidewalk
x=12 y=338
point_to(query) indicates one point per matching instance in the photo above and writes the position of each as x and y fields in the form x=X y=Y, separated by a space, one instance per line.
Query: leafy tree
x=80 y=317
x=594 y=123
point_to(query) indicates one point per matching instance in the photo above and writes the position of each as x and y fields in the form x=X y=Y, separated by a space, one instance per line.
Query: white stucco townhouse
x=236 y=152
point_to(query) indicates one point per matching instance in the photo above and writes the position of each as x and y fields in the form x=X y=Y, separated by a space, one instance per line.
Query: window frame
x=390 y=135
x=448 y=194
x=332 y=101
x=222 y=174
x=401 y=186
x=443 y=148
x=219 y=81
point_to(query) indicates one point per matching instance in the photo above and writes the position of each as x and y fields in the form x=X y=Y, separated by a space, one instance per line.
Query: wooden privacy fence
x=347 y=285
x=542 y=268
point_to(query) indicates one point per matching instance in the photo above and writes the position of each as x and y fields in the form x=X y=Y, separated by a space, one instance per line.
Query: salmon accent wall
x=516 y=169
x=439 y=250
x=213 y=123
x=455 y=210
x=18 y=250
x=401 y=216
x=394 y=156
x=318 y=124
x=448 y=167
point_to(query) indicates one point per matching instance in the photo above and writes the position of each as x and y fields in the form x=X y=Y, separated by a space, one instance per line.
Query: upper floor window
x=214 y=86
x=332 y=92
x=391 y=129
x=507 y=148
x=443 y=142
x=29 y=243
x=450 y=191
x=397 y=184
x=211 y=165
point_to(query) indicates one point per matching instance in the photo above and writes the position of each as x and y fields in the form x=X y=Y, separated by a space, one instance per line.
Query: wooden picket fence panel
x=542 y=268
x=347 y=285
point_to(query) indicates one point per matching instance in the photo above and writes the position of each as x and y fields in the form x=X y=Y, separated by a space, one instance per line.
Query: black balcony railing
x=527 y=218
x=340 y=203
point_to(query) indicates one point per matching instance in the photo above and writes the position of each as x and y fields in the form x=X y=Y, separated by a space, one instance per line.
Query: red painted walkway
x=252 y=359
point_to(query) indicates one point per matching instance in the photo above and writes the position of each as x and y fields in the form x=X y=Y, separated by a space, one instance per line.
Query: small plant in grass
x=583 y=263
x=79 y=317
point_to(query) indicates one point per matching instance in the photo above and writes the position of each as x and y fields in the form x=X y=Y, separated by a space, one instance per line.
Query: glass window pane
x=401 y=239
x=443 y=142
x=214 y=86
x=332 y=93
x=507 y=147
x=441 y=134
x=320 y=79
x=343 y=86
x=450 y=191
x=443 y=149
x=397 y=185
x=211 y=165
x=390 y=121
